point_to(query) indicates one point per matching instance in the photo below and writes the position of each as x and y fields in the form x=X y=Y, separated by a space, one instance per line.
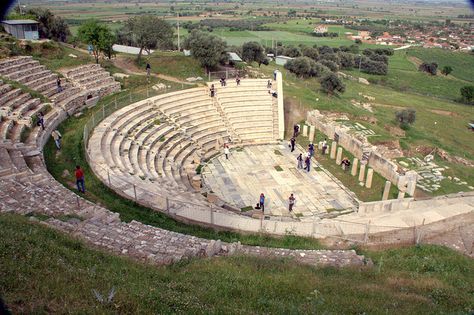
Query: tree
x=431 y=68
x=253 y=51
x=446 y=70
x=148 y=32
x=311 y=52
x=330 y=64
x=306 y=67
x=331 y=83
x=97 y=35
x=406 y=117
x=346 y=60
x=207 y=48
x=374 y=67
x=50 y=26
x=467 y=93
x=292 y=51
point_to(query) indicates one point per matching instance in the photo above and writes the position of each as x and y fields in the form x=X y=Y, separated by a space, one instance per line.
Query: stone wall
x=357 y=147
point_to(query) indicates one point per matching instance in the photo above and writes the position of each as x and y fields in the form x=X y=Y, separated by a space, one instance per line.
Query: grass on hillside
x=173 y=64
x=45 y=271
x=461 y=62
x=72 y=154
x=403 y=76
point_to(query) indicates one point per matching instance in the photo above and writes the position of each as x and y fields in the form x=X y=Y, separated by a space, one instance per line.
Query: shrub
x=447 y=70
x=430 y=68
x=405 y=118
x=467 y=94
x=306 y=67
x=330 y=64
x=331 y=83
x=374 y=67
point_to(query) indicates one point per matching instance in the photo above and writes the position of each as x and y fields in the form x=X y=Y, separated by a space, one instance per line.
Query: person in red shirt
x=80 y=179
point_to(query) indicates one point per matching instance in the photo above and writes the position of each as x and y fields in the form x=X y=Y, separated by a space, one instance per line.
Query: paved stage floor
x=253 y=170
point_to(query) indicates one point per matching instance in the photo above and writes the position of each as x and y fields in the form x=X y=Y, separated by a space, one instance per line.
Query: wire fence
x=150 y=192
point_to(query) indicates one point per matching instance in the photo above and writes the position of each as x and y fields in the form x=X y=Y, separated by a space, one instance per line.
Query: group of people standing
x=223 y=82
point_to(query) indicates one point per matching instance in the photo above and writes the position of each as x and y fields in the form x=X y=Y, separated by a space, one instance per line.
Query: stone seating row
x=249 y=109
x=94 y=78
x=143 y=148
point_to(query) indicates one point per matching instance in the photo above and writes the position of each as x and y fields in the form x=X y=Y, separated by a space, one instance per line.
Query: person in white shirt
x=57 y=138
x=226 y=152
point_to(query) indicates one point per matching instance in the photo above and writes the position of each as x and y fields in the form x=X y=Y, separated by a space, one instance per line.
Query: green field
x=461 y=62
x=43 y=271
x=403 y=74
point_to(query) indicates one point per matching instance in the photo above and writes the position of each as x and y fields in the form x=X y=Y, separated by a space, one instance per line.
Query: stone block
x=333 y=150
x=339 y=156
x=386 y=190
x=355 y=164
x=362 y=173
x=305 y=130
x=312 y=131
x=370 y=174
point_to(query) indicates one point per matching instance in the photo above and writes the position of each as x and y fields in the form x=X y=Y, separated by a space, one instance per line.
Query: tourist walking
x=80 y=179
x=292 y=144
x=148 y=70
x=311 y=149
x=325 y=146
x=262 y=202
x=57 y=138
x=300 y=161
x=307 y=163
x=237 y=80
x=269 y=84
x=212 y=90
x=223 y=83
x=291 y=202
x=226 y=152
x=40 y=121
x=59 y=88
x=296 y=130
x=345 y=163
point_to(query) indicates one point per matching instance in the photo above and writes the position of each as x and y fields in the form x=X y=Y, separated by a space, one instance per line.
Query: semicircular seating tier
x=153 y=147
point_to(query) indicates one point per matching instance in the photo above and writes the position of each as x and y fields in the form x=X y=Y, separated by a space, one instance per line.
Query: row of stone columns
x=336 y=153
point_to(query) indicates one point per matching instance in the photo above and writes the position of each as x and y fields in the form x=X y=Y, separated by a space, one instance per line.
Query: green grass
x=278 y=168
x=72 y=154
x=57 y=57
x=461 y=62
x=174 y=64
x=403 y=76
x=44 y=271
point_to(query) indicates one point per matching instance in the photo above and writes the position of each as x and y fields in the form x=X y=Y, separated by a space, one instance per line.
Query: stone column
x=333 y=150
x=370 y=174
x=355 y=163
x=312 y=130
x=339 y=156
x=386 y=190
x=305 y=130
x=362 y=173
x=401 y=194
